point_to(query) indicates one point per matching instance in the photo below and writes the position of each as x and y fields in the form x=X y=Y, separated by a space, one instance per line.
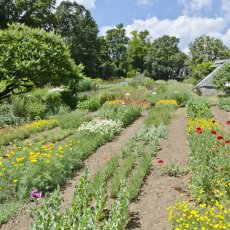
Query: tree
x=164 y=58
x=106 y=68
x=206 y=48
x=222 y=79
x=79 y=30
x=117 y=45
x=31 y=57
x=138 y=47
x=33 y=13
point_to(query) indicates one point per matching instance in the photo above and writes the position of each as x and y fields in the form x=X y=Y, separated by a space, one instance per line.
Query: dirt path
x=221 y=116
x=94 y=162
x=159 y=191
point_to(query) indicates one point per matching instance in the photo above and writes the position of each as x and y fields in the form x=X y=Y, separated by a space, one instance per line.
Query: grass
x=8 y=209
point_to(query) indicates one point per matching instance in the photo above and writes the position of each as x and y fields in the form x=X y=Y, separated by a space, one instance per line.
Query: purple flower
x=36 y=195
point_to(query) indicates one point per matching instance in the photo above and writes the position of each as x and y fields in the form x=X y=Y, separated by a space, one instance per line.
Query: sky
x=185 y=19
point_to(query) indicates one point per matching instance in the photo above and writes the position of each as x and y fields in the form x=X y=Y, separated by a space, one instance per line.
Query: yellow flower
x=15 y=181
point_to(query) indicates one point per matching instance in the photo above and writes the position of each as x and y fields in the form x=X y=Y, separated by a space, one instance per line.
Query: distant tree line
x=115 y=54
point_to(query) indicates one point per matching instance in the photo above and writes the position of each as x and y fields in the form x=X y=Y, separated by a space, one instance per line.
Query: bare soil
x=160 y=190
x=221 y=116
x=95 y=162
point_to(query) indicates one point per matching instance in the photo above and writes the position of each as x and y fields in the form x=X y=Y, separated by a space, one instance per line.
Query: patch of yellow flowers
x=203 y=124
x=114 y=102
x=166 y=102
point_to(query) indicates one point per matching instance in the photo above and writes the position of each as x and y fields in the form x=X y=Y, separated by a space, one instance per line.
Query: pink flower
x=36 y=194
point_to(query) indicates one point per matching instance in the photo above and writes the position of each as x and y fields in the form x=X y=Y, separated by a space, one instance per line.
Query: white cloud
x=88 y=4
x=192 y=6
x=184 y=27
x=225 y=7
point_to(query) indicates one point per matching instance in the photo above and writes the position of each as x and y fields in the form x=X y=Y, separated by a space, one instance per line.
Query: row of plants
x=66 y=121
x=102 y=202
x=43 y=167
x=224 y=103
x=207 y=205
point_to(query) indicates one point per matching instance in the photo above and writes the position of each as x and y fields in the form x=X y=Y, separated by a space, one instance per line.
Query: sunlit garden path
x=161 y=190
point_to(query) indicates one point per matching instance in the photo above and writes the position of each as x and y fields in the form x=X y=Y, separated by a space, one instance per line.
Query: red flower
x=228 y=122
x=220 y=138
x=160 y=162
x=213 y=132
x=105 y=158
x=199 y=130
x=227 y=141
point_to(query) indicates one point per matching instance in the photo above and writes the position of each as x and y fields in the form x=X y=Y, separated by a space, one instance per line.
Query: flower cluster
x=199 y=124
x=166 y=102
x=105 y=127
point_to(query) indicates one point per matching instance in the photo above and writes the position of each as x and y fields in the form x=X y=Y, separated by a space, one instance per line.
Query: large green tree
x=206 y=48
x=164 y=58
x=117 y=46
x=138 y=47
x=77 y=27
x=33 y=13
x=32 y=57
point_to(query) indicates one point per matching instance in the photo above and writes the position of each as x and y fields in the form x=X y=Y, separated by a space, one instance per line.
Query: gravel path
x=159 y=191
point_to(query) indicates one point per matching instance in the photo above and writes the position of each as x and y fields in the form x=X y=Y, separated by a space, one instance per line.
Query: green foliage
x=72 y=120
x=160 y=114
x=7 y=116
x=224 y=103
x=106 y=96
x=7 y=210
x=126 y=114
x=34 y=58
x=138 y=47
x=90 y=105
x=117 y=45
x=206 y=48
x=35 y=110
x=164 y=58
x=34 y=13
x=77 y=27
x=199 y=71
x=176 y=171
x=85 y=84
x=222 y=79
x=198 y=109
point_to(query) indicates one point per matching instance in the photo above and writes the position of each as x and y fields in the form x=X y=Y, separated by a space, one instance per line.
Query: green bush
x=90 y=105
x=224 y=103
x=36 y=109
x=85 y=84
x=34 y=57
x=198 y=109
x=106 y=96
x=126 y=114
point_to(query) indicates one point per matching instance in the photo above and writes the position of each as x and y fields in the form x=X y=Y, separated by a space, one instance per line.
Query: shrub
x=90 y=105
x=34 y=57
x=224 y=103
x=85 y=84
x=36 y=109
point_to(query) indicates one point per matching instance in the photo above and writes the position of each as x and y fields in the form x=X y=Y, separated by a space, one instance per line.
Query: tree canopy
x=79 y=30
x=206 y=48
x=164 y=58
x=33 y=57
x=33 y=13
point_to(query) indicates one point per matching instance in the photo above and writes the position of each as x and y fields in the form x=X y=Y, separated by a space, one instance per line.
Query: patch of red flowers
x=220 y=138
x=199 y=130
x=160 y=162
x=213 y=132
x=228 y=122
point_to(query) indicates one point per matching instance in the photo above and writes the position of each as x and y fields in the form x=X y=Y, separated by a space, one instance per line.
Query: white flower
x=127 y=94
x=176 y=92
x=154 y=93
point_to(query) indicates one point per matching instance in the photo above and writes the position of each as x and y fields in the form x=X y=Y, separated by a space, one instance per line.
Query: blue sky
x=186 y=19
